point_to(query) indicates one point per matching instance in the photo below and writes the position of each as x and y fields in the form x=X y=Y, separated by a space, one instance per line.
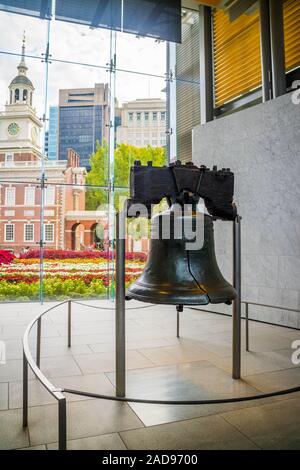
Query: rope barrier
x=214 y=401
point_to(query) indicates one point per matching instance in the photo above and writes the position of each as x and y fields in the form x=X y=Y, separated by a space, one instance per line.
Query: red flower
x=69 y=254
x=6 y=257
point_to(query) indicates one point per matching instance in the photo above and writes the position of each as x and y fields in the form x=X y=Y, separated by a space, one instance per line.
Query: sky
x=76 y=43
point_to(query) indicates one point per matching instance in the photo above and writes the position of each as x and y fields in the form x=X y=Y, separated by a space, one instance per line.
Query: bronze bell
x=176 y=275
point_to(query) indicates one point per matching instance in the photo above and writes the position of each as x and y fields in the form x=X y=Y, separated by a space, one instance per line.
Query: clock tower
x=20 y=128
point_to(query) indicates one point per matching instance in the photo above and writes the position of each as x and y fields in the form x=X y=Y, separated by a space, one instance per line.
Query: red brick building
x=54 y=215
x=24 y=220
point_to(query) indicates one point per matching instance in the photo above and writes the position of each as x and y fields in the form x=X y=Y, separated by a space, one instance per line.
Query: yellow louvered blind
x=237 y=64
x=291 y=11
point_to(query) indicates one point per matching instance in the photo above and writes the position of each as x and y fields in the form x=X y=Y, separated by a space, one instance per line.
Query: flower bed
x=6 y=257
x=61 y=278
x=67 y=254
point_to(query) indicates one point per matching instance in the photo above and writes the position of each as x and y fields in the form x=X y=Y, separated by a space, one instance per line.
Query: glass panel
x=140 y=129
x=19 y=236
x=155 y=18
x=38 y=8
x=184 y=91
x=78 y=91
x=101 y=114
x=23 y=45
x=75 y=243
x=146 y=56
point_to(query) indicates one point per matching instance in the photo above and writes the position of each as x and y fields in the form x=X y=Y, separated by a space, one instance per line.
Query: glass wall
x=79 y=104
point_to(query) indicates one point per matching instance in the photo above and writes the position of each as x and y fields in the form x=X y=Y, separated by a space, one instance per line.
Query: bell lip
x=207 y=299
x=165 y=301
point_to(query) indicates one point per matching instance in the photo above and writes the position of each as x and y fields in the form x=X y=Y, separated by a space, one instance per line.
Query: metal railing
x=275 y=307
x=247 y=319
x=56 y=392
x=59 y=393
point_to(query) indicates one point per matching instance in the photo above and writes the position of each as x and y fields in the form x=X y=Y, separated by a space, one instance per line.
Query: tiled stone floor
x=198 y=365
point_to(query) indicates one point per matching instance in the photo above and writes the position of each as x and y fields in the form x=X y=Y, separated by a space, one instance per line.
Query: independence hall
x=61 y=221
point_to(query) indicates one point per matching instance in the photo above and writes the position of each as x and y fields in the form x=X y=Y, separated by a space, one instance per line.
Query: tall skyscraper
x=83 y=119
x=53 y=133
x=143 y=122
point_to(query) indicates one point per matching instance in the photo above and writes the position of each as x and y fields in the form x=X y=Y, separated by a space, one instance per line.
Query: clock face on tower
x=13 y=128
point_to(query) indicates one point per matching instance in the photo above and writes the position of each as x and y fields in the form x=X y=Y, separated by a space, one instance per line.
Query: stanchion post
x=179 y=309
x=38 y=342
x=25 y=391
x=247 y=325
x=236 y=311
x=62 y=424
x=69 y=322
x=120 y=305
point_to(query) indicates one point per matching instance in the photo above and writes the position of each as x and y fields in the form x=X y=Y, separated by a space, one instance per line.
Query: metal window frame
x=9 y=224
x=51 y=224
x=7 y=189
x=46 y=195
x=27 y=224
x=26 y=203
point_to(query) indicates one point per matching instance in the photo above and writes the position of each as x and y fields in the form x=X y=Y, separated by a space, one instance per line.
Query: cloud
x=76 y=43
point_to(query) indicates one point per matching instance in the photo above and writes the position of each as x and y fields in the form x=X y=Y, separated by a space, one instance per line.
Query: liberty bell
x=182 y=268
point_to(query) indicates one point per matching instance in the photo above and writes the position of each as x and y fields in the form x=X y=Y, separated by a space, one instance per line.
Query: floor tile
x=159 y=366
x=12 y=433
x=104 y=442
x=189 y=381
x=105 y=362
x=3 y=396
x=202 y=433
x=84 y=419
x=184 y=351
x=60 y=366
x=11 y=371
x=41 y=447
x=38 y=395
x=273 y=426
x=256 y=362
x=147 y=343
x=278 y=380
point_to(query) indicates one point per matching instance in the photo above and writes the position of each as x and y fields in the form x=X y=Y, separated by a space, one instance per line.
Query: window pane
x=29 y=199
x=49 y=197
x=9 y=233
x=49 y=233
x=28 y=232
x=10 y=196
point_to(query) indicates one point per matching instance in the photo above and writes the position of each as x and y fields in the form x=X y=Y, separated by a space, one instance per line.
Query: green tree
x=125 y=155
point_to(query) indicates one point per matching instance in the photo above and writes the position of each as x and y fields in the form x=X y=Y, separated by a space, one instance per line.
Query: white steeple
x=21 y=88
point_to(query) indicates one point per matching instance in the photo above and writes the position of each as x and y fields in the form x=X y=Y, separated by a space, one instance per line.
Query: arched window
x=17 y=94
x=24 y=95
x=10 y=99
x=31 y=98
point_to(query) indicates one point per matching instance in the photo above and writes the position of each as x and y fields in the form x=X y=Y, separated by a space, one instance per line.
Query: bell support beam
x=236 y=311
x=206 y=65
x=277 y=47
x=120 y=305
x=265 y=50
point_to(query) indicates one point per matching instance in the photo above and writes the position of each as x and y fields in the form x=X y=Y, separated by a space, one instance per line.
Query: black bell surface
x=175 y=274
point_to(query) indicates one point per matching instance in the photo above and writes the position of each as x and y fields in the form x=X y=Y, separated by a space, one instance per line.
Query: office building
x=143 y=122
x=52 y=138
x=83 y=120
